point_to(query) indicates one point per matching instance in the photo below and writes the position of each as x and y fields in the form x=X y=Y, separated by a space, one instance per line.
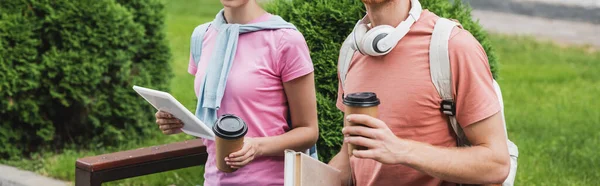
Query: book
x=303 y=170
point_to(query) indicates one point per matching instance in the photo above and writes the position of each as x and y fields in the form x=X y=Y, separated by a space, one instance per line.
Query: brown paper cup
x=224 y=148
x=229 y=137
x=360 y=103
x=371 y=111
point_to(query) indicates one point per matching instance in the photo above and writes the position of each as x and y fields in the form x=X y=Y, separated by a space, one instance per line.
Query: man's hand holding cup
x=381 y=144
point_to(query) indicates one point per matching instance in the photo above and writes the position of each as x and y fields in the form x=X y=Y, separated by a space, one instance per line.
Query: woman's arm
x=302 y=101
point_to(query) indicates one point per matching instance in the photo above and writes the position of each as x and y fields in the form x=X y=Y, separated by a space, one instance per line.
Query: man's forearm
x=468 y=165
x=341 y=161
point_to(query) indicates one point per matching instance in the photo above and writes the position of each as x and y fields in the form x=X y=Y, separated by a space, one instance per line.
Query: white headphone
x=380 y=40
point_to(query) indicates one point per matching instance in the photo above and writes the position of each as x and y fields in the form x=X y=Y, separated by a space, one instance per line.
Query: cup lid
x=229 y=126
x=361 y=99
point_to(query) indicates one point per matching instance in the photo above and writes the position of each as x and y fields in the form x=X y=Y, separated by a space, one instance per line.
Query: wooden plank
x=140 y=156
x=150 y=167
x=85 y=178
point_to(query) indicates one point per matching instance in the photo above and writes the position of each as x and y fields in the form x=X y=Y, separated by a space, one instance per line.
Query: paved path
x=572 y=22
x=568 y=10
x=583 y=3
x=557 y=30
x=10 y=176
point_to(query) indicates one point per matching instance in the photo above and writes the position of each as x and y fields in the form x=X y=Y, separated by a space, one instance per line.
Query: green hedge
x=67 y=68
x=325 y=24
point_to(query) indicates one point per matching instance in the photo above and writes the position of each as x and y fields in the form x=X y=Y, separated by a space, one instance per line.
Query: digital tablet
x=166 y=102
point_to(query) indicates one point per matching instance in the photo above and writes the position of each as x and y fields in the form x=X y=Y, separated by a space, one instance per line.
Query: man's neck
x=243 y=14
x=390 y=13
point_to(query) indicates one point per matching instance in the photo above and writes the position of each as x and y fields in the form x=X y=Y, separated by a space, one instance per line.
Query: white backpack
x=441 y=75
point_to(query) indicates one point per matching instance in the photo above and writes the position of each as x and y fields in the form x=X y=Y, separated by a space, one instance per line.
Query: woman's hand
x=168 y=123
x=241 y=158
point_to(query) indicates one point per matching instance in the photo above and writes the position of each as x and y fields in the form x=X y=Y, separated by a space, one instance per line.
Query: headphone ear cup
x=359 y=32
x=370 y=39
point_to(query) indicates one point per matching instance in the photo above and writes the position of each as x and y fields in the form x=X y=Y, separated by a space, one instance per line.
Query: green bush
x=325 y=25
x=67 y=68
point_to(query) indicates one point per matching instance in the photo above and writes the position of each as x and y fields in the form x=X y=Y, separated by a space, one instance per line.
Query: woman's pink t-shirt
x=263 y=61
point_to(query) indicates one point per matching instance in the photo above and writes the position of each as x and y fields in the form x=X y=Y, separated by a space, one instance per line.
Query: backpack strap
x=347 y=51
x=196 y=41
x=441 y=73
x=441 y=76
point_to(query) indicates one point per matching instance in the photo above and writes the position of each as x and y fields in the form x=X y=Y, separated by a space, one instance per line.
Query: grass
x=182 y=17
x=550 y=94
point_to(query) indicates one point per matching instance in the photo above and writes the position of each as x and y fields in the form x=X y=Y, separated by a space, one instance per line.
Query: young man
x=411 y=142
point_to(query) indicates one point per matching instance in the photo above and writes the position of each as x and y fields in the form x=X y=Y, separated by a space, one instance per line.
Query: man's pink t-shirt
x=263 y=62
x=410 y=104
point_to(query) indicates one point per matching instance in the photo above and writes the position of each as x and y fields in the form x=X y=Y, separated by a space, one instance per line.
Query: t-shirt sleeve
x=474 y=90
x=293 y=56
x=192 y=68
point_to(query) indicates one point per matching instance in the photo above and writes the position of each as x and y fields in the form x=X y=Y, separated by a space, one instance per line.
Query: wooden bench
x=95 y=170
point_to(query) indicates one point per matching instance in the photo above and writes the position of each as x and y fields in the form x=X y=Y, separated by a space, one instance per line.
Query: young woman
x=270 y=82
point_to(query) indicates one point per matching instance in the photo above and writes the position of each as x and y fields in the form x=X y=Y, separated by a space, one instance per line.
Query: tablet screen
x=165 y=102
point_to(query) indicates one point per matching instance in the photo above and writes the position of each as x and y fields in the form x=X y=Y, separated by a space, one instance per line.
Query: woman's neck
x=244 y=13
x=388 y=13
